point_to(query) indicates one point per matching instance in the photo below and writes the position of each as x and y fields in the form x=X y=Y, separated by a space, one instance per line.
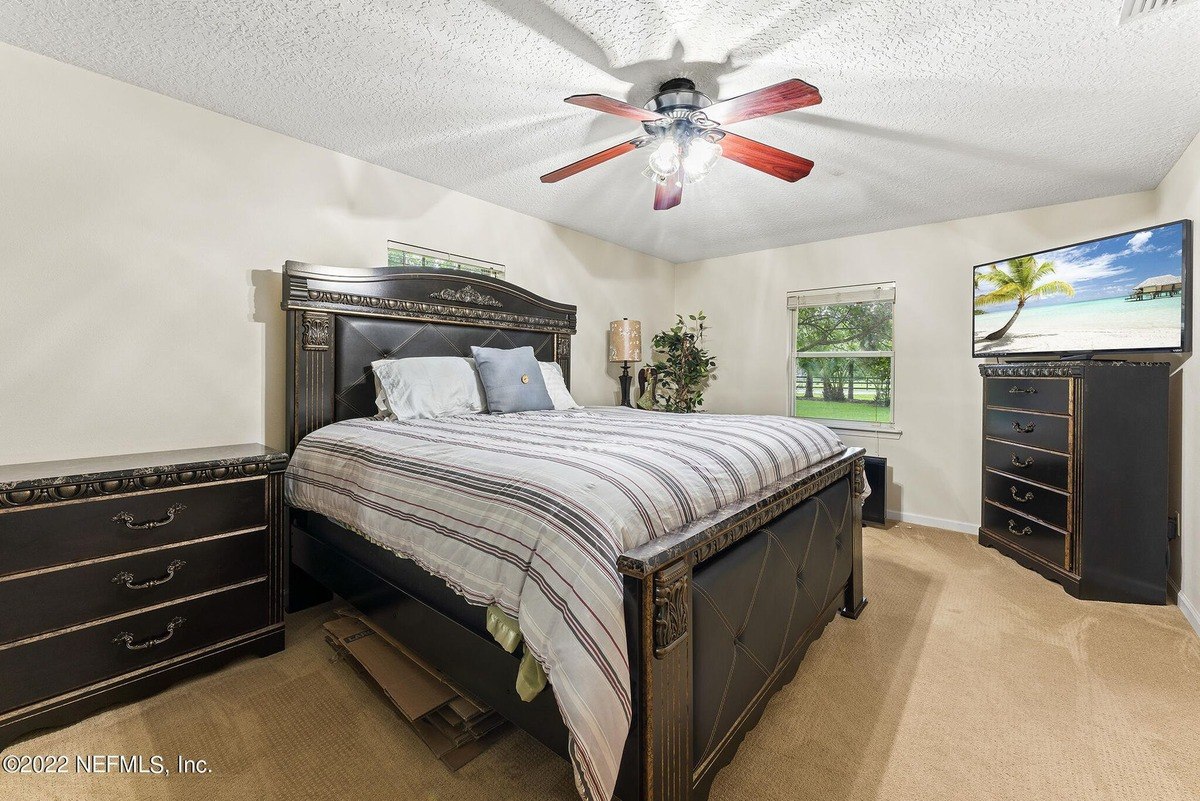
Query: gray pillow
x=512 y=380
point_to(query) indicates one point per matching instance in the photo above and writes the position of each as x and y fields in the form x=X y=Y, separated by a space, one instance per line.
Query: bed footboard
x=727 y=615
x=717 y=622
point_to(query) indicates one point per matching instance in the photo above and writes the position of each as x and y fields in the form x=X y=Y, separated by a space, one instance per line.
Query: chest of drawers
x=1075 y=480
x=121 y=575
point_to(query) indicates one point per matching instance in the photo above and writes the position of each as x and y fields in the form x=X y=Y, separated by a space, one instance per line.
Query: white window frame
x=882 y=292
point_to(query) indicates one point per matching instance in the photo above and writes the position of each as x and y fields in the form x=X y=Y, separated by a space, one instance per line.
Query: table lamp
x=625 y=346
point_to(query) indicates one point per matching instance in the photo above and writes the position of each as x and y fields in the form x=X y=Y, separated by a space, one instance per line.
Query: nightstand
x=121 y=575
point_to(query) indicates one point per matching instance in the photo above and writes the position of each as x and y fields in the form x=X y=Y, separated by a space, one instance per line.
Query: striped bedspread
x=529 y=511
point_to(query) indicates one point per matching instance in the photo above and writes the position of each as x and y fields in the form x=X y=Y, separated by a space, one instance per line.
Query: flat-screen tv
x=1120 y=294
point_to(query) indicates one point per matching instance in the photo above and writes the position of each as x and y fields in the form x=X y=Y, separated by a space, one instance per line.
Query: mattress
x=530 y=511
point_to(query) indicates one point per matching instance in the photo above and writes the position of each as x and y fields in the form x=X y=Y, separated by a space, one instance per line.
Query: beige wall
x=142 y=241
x=1177 y=197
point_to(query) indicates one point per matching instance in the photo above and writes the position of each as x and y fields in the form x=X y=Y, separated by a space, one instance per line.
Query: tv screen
x=1123 y=293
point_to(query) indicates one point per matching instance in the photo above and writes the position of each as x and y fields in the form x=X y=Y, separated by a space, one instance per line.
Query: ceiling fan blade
x=610 y=106
x=770 y=160
x=590 y=161
x=668 y=195
x=786 y=96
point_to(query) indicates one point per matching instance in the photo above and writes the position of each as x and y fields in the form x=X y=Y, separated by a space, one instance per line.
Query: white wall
x=1178 y=197
x=142 y=239
x=935 y=462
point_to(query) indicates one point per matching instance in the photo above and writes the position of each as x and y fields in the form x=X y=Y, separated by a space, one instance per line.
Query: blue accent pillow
x=512 y=380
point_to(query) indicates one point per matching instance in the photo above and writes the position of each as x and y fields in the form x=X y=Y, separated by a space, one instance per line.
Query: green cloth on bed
x=504 y=628
x=531 y=679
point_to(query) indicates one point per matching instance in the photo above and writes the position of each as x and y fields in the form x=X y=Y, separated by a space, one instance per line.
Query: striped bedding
x=529 y=511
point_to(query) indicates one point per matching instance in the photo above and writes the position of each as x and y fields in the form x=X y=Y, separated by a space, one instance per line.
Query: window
x=842 y=364
x=403 y=255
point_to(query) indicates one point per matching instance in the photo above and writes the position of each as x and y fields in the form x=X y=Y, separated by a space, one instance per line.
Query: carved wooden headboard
x=339 y=320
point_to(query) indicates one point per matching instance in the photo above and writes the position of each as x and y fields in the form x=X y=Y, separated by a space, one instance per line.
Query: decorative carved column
x=310 y=334
x=667 y=683
x=315 y=329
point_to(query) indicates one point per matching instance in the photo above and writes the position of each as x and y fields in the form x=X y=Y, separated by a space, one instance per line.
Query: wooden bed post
x=310 y=392
x=667 y=683
x=855 y=600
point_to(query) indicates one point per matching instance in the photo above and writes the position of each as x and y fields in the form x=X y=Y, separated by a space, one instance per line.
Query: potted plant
x=683 y=369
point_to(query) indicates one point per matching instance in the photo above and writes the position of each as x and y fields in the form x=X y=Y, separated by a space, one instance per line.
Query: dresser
x=1075 y=474
x=121 y=575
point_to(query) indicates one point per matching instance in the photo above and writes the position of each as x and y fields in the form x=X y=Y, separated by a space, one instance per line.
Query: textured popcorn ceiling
x=933 y=110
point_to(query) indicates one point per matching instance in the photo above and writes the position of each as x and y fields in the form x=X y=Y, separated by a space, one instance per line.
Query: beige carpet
x=966 y=678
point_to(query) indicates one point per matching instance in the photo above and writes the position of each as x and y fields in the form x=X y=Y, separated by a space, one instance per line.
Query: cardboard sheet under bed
x=455 y=727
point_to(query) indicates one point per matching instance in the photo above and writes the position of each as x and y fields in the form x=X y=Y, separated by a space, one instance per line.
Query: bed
x=704 y=648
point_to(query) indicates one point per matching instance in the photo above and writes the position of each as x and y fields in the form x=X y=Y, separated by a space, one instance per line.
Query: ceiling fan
x=684 y=129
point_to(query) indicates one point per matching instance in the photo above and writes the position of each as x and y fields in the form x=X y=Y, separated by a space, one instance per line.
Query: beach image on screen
x=1120 y=293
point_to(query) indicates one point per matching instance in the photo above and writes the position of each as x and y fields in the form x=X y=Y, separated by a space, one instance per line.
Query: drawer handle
x=1028 y=496
x=127 y=638
x=126 y=578
x=1019 y=391
x=1018 y=463
x=1012 y=528
x=127 y=519
x=1024 y=429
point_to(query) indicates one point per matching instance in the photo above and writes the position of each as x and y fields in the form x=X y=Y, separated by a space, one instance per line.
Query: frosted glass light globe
x=700 y=158
x=665 y=158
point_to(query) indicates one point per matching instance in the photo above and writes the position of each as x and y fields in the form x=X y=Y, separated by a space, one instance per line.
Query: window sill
x=880 y=432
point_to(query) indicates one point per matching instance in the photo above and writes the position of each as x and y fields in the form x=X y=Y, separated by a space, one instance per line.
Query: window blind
x=859 y=293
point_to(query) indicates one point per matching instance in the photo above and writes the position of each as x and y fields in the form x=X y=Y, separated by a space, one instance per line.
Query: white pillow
x=381 y=399
x=557 y=387
x=428 y=386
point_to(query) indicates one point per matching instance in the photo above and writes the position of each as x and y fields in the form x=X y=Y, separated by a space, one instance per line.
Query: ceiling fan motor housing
x=678 y=95
x=680 y=103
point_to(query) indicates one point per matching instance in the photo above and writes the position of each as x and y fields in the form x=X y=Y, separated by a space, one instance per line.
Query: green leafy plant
x=684 y=367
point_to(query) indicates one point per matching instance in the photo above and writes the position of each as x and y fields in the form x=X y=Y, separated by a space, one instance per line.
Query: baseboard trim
x=935 y=522
x=1190 y=613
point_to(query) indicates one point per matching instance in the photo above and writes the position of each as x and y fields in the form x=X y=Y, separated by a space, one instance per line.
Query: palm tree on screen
x=1021 y=281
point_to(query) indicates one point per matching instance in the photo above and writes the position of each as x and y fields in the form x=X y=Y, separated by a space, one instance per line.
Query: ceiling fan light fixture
x=685 y=134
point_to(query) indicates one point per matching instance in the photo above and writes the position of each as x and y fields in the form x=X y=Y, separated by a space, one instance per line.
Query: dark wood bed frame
x=339 y=320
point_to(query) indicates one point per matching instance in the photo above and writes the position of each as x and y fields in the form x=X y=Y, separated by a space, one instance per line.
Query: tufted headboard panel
x=362 y=340
x=340 y=320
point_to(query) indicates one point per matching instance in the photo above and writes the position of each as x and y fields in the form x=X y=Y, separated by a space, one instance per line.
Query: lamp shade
x=625 y=340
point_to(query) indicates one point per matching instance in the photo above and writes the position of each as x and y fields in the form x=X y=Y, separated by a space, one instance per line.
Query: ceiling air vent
x=1136 y=9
